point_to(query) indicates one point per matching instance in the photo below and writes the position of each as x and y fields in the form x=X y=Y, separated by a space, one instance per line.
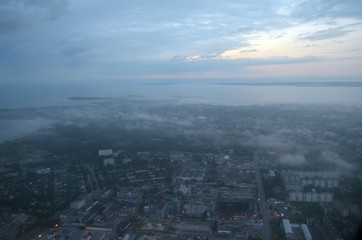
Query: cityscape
x=135 y=169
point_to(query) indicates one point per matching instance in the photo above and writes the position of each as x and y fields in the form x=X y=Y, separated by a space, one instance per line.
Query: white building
x=293 y=180
x=287 y=229
x=310 y=197
x=108 y=161
x=105 y=152
x=78 y=204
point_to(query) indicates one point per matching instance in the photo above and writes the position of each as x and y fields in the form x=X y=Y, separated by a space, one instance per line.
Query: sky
x=60 y=41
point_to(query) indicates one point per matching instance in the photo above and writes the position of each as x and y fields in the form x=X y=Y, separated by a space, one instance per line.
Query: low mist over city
x=163 y=120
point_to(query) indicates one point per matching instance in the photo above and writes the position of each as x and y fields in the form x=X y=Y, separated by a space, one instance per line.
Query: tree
x=214 y=227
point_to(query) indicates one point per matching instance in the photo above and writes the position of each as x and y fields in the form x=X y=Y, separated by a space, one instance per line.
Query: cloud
x=248 y=50
x=240 y=60
x=15 y=14
x=331 y=157
x=310 y=10
x=131 y=39
x=73 y=51
x=148 y=117
x=277 y=141
x=245 y=29
x=327 y=34
x=292 y=159
x=156 y=118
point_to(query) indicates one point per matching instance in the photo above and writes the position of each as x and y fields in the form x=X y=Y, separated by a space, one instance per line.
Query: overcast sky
x=82 y=40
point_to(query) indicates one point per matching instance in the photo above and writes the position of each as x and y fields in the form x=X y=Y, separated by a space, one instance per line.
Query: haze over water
x=236 y=94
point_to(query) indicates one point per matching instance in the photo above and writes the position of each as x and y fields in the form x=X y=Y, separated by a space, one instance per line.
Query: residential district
x=174 y=195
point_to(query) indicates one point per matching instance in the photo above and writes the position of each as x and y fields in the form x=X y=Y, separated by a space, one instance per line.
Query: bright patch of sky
x=78 y=40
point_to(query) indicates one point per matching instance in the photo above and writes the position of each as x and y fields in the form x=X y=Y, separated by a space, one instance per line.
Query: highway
x=263 y=205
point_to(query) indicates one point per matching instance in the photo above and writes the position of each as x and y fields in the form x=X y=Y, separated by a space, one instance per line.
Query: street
x=263 y=205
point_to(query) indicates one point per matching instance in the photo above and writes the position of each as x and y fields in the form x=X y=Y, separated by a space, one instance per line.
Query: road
x=94 y=176
x=263 y=205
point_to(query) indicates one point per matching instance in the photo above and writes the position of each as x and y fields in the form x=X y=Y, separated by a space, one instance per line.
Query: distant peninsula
x=87 y=98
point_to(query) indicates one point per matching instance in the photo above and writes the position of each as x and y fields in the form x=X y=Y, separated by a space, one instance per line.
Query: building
x=108 y=161
x=310 y=197
x=324 y=175
x=78 y=235
x=320 y=182
x=305 y=231
x=98 y=236
x=105 y=152
x=159 y=210
x=195 y=211
x=184 y=190
x=100 y=230
x=295 y=181
x=236 y=201
x=128 y=194
x=192 y=174
x=126 y=160
x=270 y=175
x=78 y=204
x=287 y=229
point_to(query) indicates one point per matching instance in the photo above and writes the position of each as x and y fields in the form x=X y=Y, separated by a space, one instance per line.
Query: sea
x=207 y=92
